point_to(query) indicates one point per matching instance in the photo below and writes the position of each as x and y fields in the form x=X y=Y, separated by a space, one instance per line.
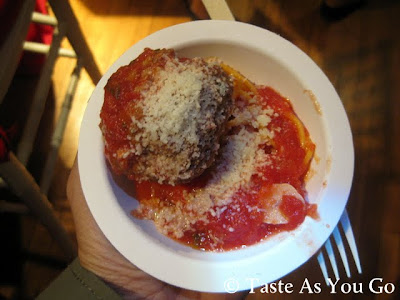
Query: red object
x=30 y=63
x=4 y=145
x=7 y=137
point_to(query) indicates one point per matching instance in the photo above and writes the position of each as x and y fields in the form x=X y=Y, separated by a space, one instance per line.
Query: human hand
x=98 y=256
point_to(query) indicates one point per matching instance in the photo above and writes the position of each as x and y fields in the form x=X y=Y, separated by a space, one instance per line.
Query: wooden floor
x=361 y=56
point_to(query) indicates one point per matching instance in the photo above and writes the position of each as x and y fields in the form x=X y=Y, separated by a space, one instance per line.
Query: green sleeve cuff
x=75 y=282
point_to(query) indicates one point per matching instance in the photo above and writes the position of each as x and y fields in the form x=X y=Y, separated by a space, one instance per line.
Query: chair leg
x=25 y=187
x=58 y=133
x=39 y=100
x=64 y=12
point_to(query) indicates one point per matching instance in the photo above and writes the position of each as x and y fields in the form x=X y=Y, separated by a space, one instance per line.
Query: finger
x=86 y=227
x=76 y=198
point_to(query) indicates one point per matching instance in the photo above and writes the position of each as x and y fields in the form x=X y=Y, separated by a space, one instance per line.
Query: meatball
x=164 y=117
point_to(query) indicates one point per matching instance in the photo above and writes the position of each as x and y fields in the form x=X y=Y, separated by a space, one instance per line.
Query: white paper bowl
x=265 y=58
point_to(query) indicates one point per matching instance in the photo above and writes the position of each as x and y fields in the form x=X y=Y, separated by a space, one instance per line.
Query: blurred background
x=358 y=48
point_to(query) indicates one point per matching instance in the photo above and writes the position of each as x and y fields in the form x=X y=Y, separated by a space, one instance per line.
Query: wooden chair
x=13 y=171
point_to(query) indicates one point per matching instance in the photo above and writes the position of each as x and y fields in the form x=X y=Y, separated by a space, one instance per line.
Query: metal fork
x=348 y=231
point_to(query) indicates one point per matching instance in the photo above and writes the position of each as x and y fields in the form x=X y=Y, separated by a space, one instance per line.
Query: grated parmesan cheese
x=241 y=157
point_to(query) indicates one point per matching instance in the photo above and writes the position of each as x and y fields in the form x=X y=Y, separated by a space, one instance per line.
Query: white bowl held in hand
x=267 y=59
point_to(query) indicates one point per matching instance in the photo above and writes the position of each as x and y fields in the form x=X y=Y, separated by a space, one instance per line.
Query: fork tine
x=345 y=221
x=332 y=259
x=322 y=265
x=342 y=251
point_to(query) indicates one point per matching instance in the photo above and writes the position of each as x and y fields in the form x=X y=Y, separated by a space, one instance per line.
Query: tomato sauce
x=242 y=223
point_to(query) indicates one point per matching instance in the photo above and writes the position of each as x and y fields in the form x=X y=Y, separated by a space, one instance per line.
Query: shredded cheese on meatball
x=178 y=105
